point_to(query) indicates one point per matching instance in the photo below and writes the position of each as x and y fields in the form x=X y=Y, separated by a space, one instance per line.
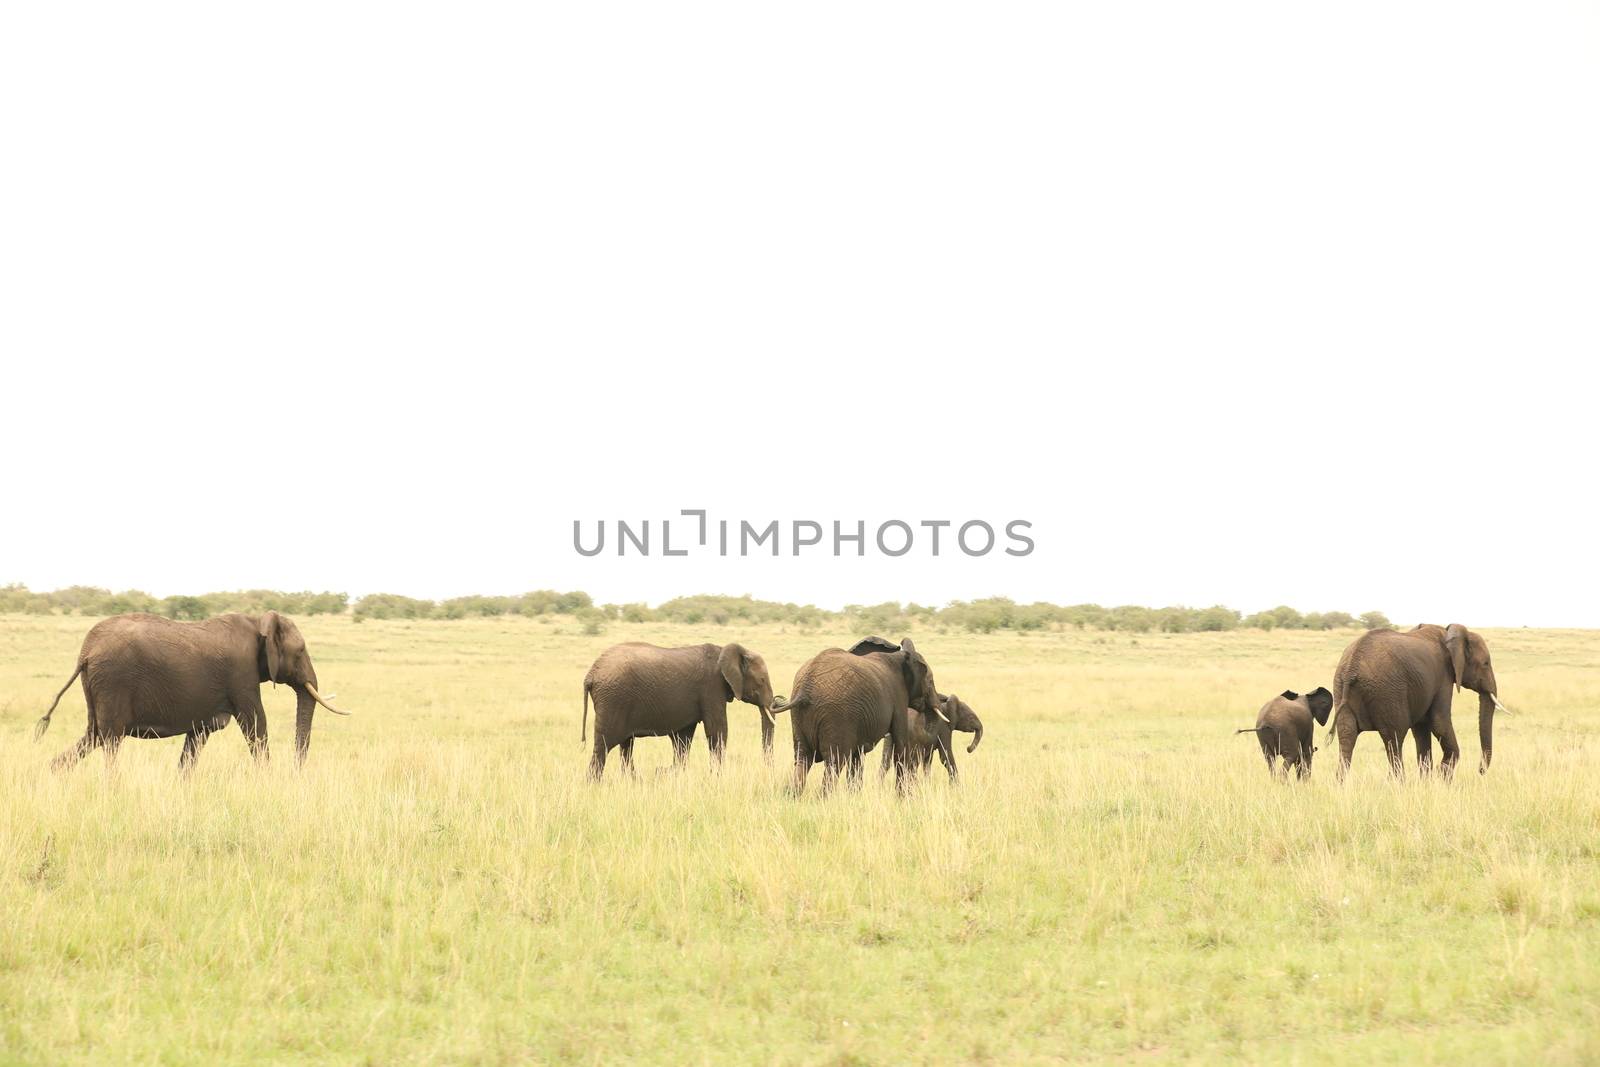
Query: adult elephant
x=1392 y=682
x=641 y=690
x=847 y=700
x=928 y=735
x=147 y=676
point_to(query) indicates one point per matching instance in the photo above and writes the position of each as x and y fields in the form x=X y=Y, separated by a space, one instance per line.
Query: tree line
x=978 y=616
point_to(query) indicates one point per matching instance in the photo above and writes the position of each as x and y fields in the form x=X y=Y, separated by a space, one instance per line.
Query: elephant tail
x=1252 y=730
x=583 y=730
x=1343 y=708
x=1342 y=704
x=44 y=723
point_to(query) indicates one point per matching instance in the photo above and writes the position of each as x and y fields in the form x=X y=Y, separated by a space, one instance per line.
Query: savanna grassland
x=1115 y=878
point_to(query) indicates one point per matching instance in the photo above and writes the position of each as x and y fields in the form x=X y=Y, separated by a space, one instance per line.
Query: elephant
x=641 y=690
x=1283 y=726
x=149 y=676
x=1392 y=682
x=846 y=701
x=928 y=734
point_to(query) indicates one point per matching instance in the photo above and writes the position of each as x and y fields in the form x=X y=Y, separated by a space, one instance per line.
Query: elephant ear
x=271 y=630
x=913 y=667
x=1290 y=694
x=1321 y=702
x=868 y=645
x=730 y=664
x=1455 y=642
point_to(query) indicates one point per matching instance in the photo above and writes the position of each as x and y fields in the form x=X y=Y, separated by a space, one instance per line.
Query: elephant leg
x=948 y=758
x=597 y=759
x=111 y=743
x=1424 y=740
x=853 y=769
x=253 y=724
x=832 y=763
x=1445 y=731
x=626 y=749
x=1348 y=731
x=1394 y=748
x=716 y=721
x=883 y=764
x=81 y=748
x=803 y=758
x=681 y=742
x=193 y=742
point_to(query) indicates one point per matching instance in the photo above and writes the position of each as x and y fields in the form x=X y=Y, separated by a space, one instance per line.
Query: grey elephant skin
x=928 y=735
x=642 y=690
x=1283 y=726
x=148 y=676
x=847 y=700
x=1391 y=682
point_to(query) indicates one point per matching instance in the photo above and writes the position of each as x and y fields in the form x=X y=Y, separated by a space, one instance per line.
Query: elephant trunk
x=977 y=733
x=1486 y=706
x=304 y=708
x=767 y=727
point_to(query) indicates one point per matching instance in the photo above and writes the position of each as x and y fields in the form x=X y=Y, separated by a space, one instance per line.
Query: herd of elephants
x=149 y=676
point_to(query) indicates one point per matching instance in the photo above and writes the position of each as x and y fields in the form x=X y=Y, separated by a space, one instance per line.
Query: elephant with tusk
x=1391 y=682
x=641 y=690
x=148 y=676
x=847 y=700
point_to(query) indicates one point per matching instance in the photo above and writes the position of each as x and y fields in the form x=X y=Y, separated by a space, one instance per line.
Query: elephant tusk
x=1499 y=706
x=318 y=698
x=941 y=714
x=768 y=713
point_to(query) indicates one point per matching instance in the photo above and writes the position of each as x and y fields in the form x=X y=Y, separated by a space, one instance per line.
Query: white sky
x=1236 y=302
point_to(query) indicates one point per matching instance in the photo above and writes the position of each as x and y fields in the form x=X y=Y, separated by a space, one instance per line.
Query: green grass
x=1116 y=878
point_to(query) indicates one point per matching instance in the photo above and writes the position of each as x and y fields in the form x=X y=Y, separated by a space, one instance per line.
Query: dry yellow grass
x=1116 y=877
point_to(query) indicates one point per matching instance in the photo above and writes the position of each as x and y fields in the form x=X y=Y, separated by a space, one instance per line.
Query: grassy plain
x=1116 y=877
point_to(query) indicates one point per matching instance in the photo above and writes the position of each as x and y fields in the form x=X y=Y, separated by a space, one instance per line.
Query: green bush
x=889 y=619
x=185 y=608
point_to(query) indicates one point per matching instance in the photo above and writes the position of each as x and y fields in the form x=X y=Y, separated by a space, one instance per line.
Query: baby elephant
x=1284 y=729
x=928 y=735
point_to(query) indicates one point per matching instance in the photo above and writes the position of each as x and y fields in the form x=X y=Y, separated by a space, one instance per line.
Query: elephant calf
x=641 y=690
x=1283 y=726
x=928 y=734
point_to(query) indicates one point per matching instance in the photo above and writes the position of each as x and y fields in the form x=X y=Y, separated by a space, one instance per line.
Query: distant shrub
x=1376 y=620
x=184 y=608
x=393 y=606
x=1216 y=618
x=889 y=619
